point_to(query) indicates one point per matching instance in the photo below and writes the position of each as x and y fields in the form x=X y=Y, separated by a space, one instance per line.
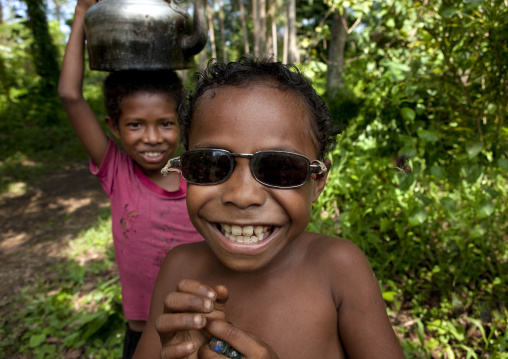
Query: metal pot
x=143 y=35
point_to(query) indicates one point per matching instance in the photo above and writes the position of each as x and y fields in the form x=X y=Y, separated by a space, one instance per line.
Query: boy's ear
x=113 y=126
x=320 y=181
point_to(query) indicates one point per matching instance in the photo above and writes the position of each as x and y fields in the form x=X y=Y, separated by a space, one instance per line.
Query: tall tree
x=222 y=34
x=211 y=33
x=293 y=54
x=43 y=51
x=244 y=28
x=268 y=27
x=334 y=80
x=58 y=9
x=259 y=19
x=274 y=30
x=255 y=24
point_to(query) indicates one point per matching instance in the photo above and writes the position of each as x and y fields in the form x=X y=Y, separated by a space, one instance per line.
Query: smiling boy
x=256 y=135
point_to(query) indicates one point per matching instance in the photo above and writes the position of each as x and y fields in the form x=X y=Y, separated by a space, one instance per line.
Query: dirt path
x=37 y=225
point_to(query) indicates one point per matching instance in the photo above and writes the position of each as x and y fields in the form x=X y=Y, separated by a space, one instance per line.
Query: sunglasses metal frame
x=315 y=166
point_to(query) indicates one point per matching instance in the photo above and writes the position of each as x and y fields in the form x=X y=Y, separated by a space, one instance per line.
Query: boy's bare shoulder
x=339 y=251
x=340 y=262
x=185 y=256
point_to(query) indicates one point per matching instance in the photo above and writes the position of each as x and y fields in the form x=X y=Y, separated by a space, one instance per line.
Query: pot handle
x=194 y=43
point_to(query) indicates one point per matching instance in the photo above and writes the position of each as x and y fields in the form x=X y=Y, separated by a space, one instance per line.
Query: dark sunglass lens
x=280 y=169
x=205 y=167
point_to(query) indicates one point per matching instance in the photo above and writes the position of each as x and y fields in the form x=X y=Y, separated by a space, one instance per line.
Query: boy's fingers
x=222 y=298
x=181 y=350
x=192 y=286
x=184 y=302
x=246 y=344
x=169 y=323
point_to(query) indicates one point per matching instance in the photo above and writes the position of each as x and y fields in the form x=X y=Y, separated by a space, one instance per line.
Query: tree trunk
x=259 y=21
x=211 y=34
x=244 y=28
x=262 y=28
x=268 y=31
x=334 y=81
x=43 y=51
x=6 y=80
x=274 y=40
x=285 y=45
x=58 y=9
x=222 y=36
x=202 y=59
x=272 y=29
x=293 y=53
x=255 y=25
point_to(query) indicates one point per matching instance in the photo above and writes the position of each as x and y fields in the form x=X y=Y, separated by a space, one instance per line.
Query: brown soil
x=37 y=225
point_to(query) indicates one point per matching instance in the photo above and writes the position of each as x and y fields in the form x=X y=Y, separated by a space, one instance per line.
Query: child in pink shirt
x=149 y=215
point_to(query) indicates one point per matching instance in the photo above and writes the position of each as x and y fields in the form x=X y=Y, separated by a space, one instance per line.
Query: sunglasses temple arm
x=318 y=167
x=172 y=166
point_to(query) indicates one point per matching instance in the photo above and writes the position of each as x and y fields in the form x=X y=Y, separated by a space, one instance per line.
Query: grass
x=77 y=311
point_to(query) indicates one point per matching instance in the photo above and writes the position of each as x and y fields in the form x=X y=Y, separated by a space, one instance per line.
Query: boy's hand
x=85 y=4
x=246 y=345
x=186 y=313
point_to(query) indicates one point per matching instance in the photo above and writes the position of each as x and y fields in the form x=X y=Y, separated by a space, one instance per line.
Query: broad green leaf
x=457 y=330
x=389 y=296
x=417 y=217
x=448 y=204
x=473 y=149
x=385 y=224
x=478 y=231
x=473 y=173
x=437 y=171
x=486 y=210
x=503 y=163
x=407 y=150
x=449 y=12
x=449 y=352
x=36 y=340
x=408 y=114
x=428 y=136
x=433 y=343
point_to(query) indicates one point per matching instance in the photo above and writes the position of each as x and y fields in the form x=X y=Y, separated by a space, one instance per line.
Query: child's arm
x=364 y=327
x=178 y=313
x=70 y=89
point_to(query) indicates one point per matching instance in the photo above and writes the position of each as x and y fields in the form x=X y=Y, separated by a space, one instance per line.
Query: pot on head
x=143 y=35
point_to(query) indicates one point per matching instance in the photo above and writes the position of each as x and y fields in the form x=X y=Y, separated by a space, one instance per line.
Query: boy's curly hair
x=250 y=70
x=121 y=84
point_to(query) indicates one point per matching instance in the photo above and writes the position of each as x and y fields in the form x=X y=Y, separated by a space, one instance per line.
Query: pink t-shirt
x=147 y=222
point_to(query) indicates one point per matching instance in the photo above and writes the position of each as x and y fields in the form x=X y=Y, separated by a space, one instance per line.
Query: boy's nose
x=152 y=135
x=242 y=189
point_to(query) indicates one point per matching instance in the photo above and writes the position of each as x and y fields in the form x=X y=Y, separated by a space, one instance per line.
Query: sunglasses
x=277 y=169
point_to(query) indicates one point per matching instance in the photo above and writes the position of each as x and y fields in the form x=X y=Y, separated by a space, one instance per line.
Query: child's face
x=247 y=120
x=148 y=130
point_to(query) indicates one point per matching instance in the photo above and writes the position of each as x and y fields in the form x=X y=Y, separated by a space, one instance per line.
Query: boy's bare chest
x=295 y=314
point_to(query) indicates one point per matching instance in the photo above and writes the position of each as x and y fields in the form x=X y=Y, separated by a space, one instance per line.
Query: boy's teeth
x=152 y=154
x=236 y=230
x=246 y=234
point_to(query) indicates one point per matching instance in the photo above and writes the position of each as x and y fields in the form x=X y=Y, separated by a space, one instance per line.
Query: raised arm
x=70 y=89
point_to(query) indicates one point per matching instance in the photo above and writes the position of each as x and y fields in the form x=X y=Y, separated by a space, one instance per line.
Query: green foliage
x=34 y=128
x=43 y=50
x=60 y=315
x=419 y=181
